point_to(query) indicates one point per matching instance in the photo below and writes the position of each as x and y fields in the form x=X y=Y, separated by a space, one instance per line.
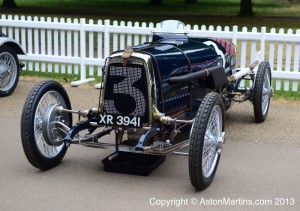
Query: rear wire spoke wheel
x=206 y=141
x=42 y=140
x=262 y=92
x=9 y=70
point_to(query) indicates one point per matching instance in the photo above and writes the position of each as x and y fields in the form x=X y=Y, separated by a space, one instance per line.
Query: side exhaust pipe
x=245 y=71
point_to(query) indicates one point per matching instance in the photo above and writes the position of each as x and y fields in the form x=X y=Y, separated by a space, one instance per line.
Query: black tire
x=9 y=70
x=39 y=152
x=262 y=92
x=211 y=105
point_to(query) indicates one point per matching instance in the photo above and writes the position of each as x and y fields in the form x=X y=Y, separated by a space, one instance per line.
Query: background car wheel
x=41 y=139
x=9 y=70
x=262 y=92
x=206 y=141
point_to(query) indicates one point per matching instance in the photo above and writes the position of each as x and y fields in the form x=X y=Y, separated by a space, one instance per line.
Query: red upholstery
x=229 y=47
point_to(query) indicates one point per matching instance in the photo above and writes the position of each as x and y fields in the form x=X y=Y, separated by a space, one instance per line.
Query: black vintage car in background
x=151 y=95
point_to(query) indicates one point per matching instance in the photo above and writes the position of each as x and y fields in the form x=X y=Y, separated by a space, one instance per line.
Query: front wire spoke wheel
x=49 y=99
x=210 y=156
x=42 y=140
x=206 y=141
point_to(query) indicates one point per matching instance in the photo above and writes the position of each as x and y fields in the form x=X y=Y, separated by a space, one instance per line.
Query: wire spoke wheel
x=206 y=141
x=9 y=70
x=262 y=92
x=50 y=99
x=266 y=93
x=212 y=135
x=42 y=140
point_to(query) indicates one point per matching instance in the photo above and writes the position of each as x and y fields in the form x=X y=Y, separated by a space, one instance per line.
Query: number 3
x=126 y=87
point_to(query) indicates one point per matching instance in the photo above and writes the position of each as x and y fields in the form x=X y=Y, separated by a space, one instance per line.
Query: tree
x=9 y=3
x=191 y=1
x=246 y=8
x=159 y=2
x=156 y=2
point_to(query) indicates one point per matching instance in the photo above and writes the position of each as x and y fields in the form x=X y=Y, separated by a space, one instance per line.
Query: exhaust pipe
x=245 y=71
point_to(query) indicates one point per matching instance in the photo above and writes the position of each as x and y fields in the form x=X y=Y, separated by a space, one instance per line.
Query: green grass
x=58 y=77
x=205 y=12
x=287 y=95
x=61 y=77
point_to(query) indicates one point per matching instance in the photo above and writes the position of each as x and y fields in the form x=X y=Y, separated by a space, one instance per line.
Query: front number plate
x=120 y=120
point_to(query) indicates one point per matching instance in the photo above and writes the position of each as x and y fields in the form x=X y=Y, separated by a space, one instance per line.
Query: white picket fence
x=68 y=46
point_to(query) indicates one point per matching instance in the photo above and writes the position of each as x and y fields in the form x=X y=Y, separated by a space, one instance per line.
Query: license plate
x=120 y=120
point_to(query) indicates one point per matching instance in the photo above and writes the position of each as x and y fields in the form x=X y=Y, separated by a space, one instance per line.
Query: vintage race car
x=9 y=64
x=158 y=98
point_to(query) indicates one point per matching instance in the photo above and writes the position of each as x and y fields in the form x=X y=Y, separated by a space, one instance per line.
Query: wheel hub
x=3 y=73
x=51 y=132
x=220 y=143
x=2 y=69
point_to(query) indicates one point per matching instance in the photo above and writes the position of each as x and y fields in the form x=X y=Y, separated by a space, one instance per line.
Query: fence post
x=106 y=45
x=82 y=41
x=23 y=35
x=106 y=39
x=296 y=61
x=272 y=50
x=253 y=47
x=262 y=43
x=29 y=65
x=234 y=35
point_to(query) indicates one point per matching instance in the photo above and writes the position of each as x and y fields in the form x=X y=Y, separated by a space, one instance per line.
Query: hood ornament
x=126 y=55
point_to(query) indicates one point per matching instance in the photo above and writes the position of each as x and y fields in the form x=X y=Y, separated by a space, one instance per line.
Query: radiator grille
x=126 y=90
